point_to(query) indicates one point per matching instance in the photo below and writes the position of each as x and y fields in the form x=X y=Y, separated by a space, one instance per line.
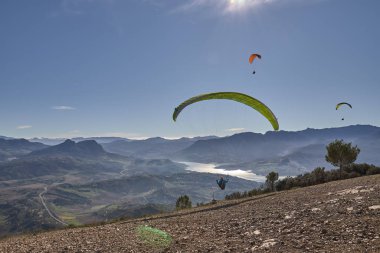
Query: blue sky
x=120 y=67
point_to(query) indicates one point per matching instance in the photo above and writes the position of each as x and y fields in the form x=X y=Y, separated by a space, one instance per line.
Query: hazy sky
x=120 y=67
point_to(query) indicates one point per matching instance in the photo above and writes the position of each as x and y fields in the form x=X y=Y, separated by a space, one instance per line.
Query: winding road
x=125 y=169
x=47 y=209
x=51 y=214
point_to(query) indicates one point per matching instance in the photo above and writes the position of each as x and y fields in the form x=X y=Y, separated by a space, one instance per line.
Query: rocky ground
x=341 y=216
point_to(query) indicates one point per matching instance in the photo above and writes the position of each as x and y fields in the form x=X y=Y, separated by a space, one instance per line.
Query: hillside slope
x=342 y=216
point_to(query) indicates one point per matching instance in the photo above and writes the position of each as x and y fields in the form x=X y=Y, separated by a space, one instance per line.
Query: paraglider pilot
x=222 y=183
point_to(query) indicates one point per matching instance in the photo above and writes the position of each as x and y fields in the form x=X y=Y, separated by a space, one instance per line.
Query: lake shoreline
x=213 y=168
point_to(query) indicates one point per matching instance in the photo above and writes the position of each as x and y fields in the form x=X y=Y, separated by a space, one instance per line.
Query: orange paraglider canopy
x=253 y=56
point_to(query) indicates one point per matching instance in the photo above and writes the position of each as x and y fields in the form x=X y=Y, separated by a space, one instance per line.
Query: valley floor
x=341 y=216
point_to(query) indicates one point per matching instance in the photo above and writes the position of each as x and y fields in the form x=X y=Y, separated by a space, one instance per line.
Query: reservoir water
x=212 y=168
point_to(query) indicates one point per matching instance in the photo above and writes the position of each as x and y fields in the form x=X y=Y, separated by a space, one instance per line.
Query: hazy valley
x=86 y=181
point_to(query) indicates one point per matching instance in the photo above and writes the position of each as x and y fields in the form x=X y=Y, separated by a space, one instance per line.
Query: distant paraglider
x=341 y=104
x=235 y=96
x=252 y=58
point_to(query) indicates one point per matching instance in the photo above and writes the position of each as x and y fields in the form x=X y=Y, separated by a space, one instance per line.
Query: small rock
x=374 y=207
x=266 y=245
x=256 y=232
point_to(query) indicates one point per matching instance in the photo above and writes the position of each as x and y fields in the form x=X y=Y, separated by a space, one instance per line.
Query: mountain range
x=56 y=141
x=153 y=147
x=85 y=160
x=288 y=152
x=245 y=147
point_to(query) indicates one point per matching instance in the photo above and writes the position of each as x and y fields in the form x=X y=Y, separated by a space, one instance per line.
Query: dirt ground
x=341 y=216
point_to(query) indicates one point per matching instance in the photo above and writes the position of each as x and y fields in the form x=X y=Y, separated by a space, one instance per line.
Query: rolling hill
x=12 y=148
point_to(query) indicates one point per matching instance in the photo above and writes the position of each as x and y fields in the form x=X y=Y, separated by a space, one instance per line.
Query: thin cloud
x=80 y=133
x=226 y=6
x=231 y=6
x=127 y=135
x=71 y=7
x=78 y=7
x=24 y=127
x=237 y=129
x=63 y=108
x=62 y=135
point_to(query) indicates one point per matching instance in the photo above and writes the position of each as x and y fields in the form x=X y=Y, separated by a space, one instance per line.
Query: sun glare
x=237 y=2
x=238 y=5
x=244 y=5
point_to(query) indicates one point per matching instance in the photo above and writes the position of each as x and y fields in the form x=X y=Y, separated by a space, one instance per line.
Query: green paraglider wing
x=235 y=96
x=343 y=103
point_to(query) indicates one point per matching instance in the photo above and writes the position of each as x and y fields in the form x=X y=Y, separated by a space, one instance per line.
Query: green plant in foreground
x=154 y=237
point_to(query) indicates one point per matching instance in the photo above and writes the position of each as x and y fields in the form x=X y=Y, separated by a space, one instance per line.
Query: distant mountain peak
x=91 y=146
x=86 y=148
x=67 y=142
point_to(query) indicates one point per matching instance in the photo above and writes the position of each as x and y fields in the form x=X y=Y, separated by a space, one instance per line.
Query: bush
x=183 y=202
x=363 y=169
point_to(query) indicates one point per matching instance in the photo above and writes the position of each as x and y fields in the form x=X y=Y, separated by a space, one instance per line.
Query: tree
x=183 y=202
x=341 y=154
x=318 y=175
x=272 y=177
